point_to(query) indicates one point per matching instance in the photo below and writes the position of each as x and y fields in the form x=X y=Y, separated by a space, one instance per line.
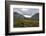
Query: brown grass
x=26 y=23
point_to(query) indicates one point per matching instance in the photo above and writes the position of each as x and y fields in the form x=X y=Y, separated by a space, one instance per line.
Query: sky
x=27 y=12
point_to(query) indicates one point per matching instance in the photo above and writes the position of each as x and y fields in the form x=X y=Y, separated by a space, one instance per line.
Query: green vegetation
x=26 y=23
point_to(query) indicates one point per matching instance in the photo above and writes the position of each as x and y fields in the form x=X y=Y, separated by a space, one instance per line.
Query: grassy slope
x=26 y=23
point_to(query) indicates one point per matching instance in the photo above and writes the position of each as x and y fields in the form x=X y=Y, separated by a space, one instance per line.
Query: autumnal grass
x=26 y=23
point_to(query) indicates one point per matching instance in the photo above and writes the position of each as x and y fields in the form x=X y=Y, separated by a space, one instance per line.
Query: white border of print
x=24 y=29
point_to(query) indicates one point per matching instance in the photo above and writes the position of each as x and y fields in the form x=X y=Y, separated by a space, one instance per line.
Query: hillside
x=36 y=16
x=21 y=21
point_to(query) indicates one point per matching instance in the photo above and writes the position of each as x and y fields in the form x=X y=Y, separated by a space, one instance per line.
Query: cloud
x=27 y=12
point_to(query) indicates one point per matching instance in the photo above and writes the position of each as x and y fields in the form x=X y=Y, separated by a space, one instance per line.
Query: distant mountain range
x=19 y=16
